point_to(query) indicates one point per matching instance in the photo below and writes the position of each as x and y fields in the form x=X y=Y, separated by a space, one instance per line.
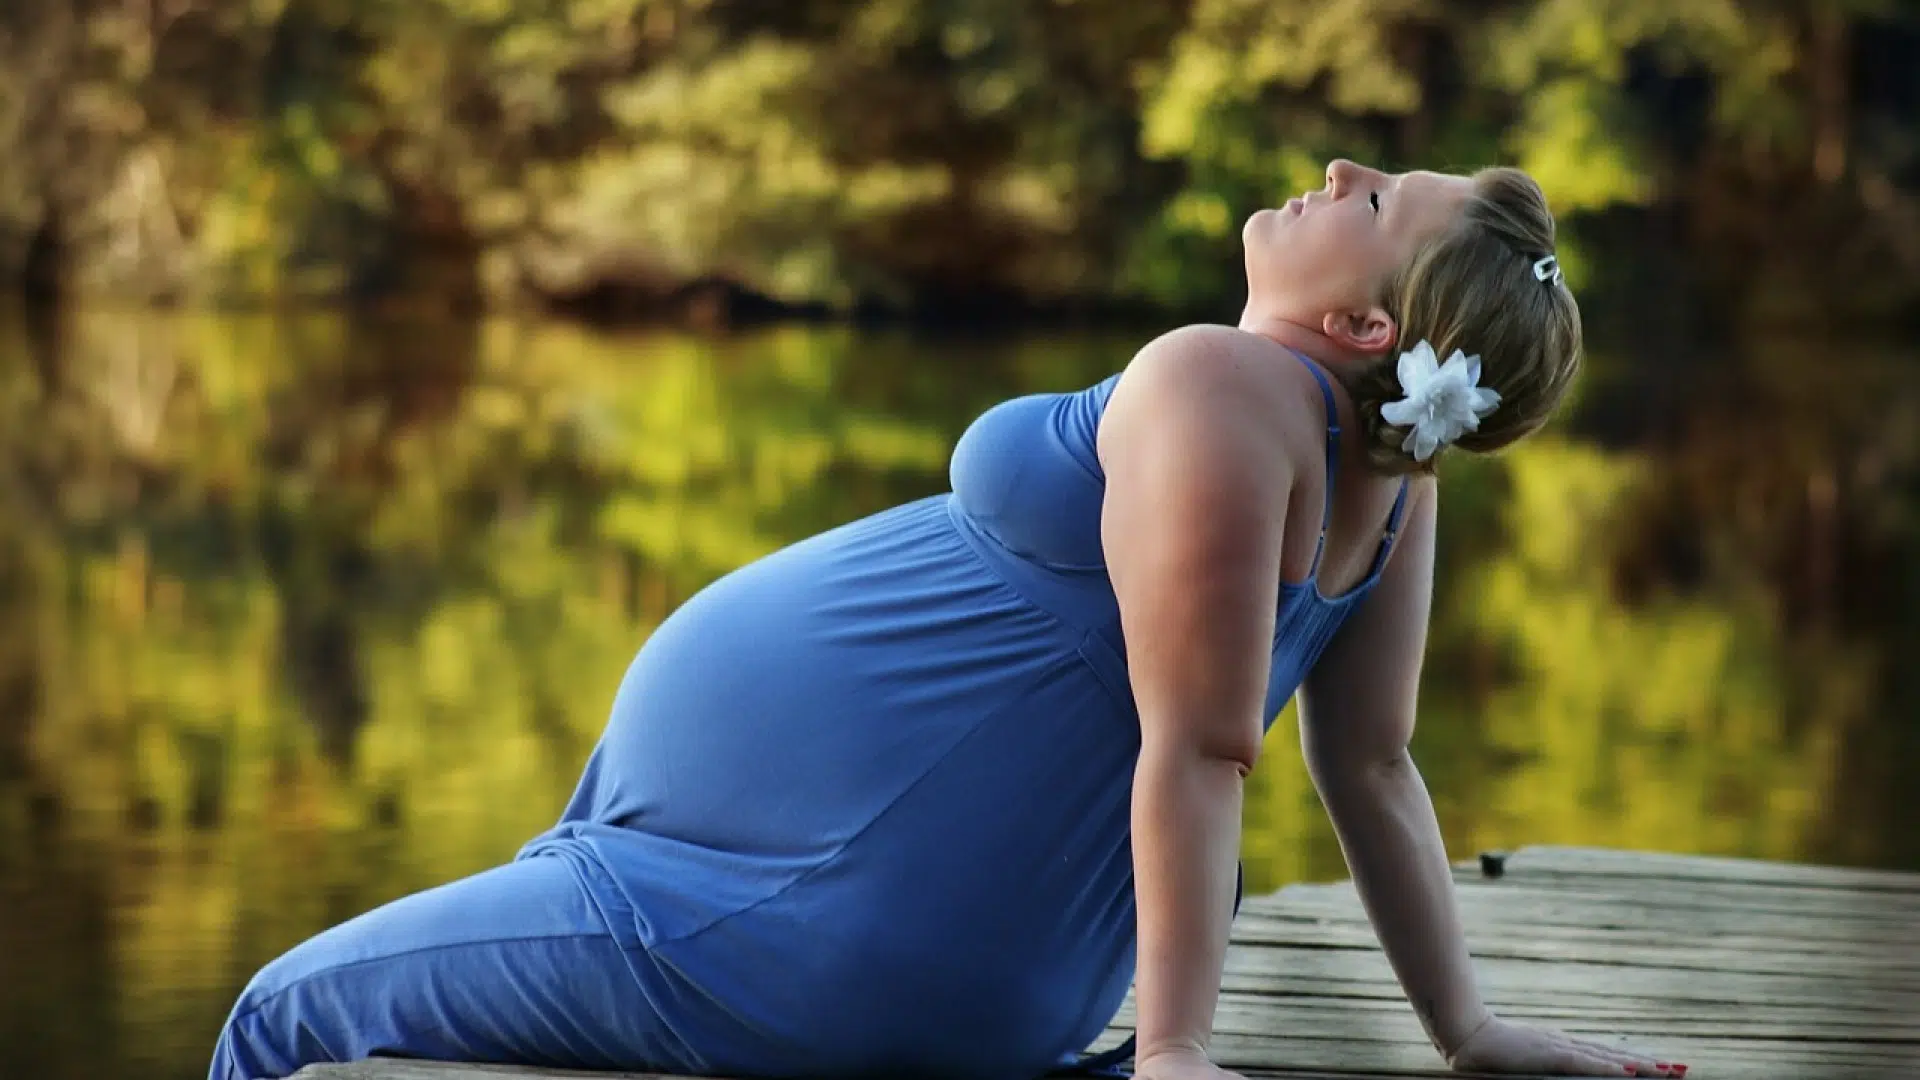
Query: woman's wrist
x=1179 y=1047
x=1452 y=1051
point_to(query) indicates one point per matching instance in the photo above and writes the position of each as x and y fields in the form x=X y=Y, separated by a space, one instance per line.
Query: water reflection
x=301 y=614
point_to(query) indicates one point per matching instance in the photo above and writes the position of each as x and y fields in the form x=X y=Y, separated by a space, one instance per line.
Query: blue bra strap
x=1393 y=530
x=1333 y=455
x=1108 y=1063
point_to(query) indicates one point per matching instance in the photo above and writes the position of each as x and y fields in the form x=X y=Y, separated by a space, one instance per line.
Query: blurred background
x=374 y=375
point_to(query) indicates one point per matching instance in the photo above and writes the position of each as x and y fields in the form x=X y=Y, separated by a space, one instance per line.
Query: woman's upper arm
x=1197 y=477
x=1358 y=702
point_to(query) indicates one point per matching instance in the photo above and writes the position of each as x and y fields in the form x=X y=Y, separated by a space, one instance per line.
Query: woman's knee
x=245 y=1051
x=282 y=1022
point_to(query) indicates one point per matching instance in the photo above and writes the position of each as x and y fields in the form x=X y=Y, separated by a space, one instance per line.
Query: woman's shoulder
x=1220 y=379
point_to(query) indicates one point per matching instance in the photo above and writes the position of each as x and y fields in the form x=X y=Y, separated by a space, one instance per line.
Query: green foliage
x=901 y=151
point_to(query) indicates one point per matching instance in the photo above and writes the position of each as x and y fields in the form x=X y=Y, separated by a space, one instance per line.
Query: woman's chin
x=1258 y=224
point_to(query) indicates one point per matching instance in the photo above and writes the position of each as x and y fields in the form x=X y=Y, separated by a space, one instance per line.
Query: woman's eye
x=1373 y=199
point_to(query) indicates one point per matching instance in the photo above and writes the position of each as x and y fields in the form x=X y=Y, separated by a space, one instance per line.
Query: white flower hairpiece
x=1442 y=402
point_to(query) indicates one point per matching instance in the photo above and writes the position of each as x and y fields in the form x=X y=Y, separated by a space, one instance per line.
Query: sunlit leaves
x=842 y=151
x=1566 y=142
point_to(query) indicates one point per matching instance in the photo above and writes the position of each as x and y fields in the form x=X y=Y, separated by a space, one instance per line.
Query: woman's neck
x=1307 y=340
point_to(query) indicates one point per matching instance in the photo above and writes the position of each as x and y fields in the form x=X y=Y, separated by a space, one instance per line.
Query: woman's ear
x=1368 y=331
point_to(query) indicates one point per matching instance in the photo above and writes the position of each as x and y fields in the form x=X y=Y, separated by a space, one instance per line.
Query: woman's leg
x=512 y=965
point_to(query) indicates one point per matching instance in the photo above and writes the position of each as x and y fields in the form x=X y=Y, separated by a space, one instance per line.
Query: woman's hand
x=1502 y=1047
x=1180 y=1063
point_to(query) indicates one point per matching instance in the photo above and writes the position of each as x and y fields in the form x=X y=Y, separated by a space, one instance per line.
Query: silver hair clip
x=1546 y=268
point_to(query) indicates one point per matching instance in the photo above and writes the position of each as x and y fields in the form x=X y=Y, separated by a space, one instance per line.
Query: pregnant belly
x=940 y=779
x=789 y=703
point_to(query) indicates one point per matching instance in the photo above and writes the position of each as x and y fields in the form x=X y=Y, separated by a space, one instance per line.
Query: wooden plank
x=1755 y=954
x=1868 y=911
x=1248 y=1014
x=1743 y=969
x=1623 y=927
x=1643 y=865
x=1514 y=904
x=1527 y=999
x=1782 y=899
x=1488 y=935
x=1706 y=1018
x=1700 y=961
x=1541 y=978
x=1706 y=1060
x=1718 y=898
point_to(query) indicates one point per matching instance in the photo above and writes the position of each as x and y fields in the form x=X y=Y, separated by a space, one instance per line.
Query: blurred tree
x=921 y=154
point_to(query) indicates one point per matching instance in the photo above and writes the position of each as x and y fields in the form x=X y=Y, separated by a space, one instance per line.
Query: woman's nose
x=1341 y=174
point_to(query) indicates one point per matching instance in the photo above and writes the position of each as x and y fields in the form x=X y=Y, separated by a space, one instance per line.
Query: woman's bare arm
x=1357 y=717
x=1198 y=476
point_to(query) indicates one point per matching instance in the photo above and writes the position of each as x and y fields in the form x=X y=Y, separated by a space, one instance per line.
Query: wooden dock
x=1743 y=970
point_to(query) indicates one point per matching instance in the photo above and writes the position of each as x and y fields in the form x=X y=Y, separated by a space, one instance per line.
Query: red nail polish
x=1681 y=1069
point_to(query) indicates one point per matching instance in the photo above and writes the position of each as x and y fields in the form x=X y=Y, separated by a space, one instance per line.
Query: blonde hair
x=1473 y=288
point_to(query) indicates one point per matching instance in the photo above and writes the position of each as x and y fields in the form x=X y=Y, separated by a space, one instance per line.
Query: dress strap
x=1333 y=456
x=1393 y=530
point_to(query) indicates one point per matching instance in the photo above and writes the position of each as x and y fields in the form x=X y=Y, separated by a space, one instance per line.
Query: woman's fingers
x=1638 y=1064
x=1575 y=1061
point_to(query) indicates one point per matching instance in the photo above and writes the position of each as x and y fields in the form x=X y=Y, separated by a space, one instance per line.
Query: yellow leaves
x=1201 y=213
x=1040 y=199
x=1179 y=102
x=722 y=97
x=878 y=27
x=1568 y=141
x=1753 y=95
x=1565 y=63
x=1349 y=42
x=1519 y=52
x=1559 y=493
x=962 y=38
x=1236 y=53
x=887 y=188
x=883 y=443
x=610 y=16
x=718 y=168
x=448 y=671
x=1594 y=38
x=795 y=155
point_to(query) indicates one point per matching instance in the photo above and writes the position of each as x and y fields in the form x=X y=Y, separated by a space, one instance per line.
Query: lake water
x=300 y=614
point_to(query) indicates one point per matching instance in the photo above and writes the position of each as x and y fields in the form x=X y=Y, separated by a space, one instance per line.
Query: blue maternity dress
x=861 y=807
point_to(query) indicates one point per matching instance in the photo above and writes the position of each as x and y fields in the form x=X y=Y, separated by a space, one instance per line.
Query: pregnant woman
x=924 y=794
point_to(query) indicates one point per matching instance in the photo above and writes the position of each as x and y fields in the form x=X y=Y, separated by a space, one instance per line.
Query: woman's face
x=1319 y=260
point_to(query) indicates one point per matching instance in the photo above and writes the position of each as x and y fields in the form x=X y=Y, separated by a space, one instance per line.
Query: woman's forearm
x=1186 y=843
x=1387 y=828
